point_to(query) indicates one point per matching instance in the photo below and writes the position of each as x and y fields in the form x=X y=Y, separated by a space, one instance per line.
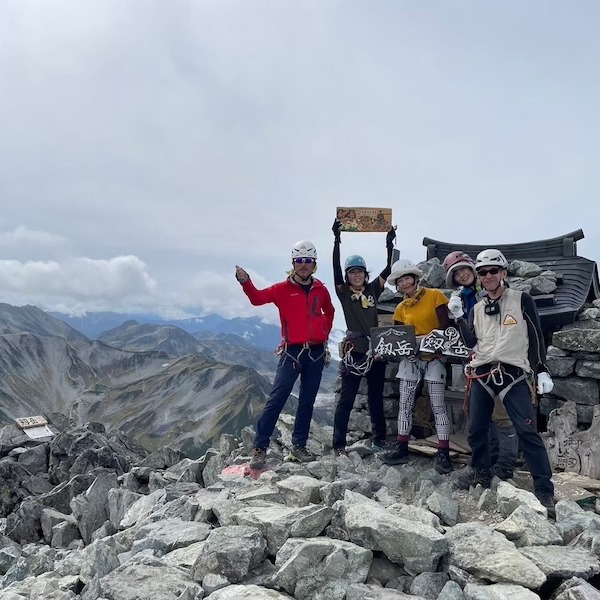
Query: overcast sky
x=148 y=146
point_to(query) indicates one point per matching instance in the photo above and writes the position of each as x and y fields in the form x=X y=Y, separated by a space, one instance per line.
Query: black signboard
x=393 y=343
x=444 y=341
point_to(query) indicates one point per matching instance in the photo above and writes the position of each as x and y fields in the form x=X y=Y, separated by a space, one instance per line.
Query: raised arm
x=338 y=277
x=389 y=245
x=256 y=297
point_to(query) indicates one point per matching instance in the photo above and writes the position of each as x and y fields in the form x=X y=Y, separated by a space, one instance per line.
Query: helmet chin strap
x=500 y=285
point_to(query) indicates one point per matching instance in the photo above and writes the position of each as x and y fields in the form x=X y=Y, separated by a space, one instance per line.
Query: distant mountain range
x=241 y=341
x=157 y=382
x=251 y=329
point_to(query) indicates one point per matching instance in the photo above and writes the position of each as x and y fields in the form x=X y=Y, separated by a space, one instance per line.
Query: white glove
x=455 y=307
x=545 y=383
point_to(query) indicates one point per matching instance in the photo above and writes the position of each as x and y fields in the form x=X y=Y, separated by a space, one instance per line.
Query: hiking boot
x=398 y=456
x=547 y=501
x=340 y=452
x=441 y=462
x=482 y=477
x=501 y=473
x=301 y=453
x=258 y=458
x=381 y=446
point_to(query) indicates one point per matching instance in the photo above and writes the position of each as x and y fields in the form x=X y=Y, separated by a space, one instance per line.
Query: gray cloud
x=195 y=136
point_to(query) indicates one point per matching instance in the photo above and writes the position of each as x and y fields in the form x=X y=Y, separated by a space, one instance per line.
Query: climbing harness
x=282 y=350
x=496 y=377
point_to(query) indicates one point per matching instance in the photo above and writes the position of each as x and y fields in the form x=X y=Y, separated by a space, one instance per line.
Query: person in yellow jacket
x=425 y=309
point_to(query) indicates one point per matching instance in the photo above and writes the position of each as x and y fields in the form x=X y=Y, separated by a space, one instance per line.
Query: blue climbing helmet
x=355 y=262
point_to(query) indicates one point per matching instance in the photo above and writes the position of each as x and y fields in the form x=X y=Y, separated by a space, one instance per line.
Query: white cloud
x=78 y=281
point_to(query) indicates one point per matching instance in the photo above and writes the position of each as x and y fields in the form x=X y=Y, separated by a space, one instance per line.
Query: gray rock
x=231 y=552
x=587 y=368
x=213 y=582
x=563 y=561
x=520 y=284
x=119 y=502
x=487 y=554
x=99 y=559
x=299 y=490
x=581 y=391
x=556 y=352
x=162 y=458
x=444 y=507
x=429 y=585
x=34 y=560
x=417 y=546
x=523 y=268
x=278 y=523
x=320 y=568
x=151 y=582
x=248 y=592
x=334 y=491
x=416 y=513
x=589 y=314
x=498 y=591
x=168 y=535
x=361 y=591
x=510 y=497
x=434 y=274
x=214 y=465
x=560 y=366
x=91 y=508
x=35 y=460
x=64 y=534
x=142 y=508
x=527 y=527
x=451 y=591
x=9 y=552
x=50 y=518
x=542 y=285
x=571 y=520
x=586 y=340
x=576 y=589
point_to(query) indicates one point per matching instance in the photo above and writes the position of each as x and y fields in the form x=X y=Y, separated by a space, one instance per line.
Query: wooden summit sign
x=393 y=343
x=364 y=219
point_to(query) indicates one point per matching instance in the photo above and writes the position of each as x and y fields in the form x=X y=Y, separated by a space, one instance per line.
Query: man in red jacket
x=306 y=315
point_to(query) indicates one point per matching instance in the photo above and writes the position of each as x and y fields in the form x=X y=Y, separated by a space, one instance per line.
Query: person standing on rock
x=505 y=333
x=306 y=314
x=358 y=297
x=425 y=309
x=504 y=444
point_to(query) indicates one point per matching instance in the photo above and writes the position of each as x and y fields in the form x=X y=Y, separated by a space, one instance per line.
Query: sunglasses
x=304 y=260
x=484 y=272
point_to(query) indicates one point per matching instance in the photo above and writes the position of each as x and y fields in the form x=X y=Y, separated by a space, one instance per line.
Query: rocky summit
x=91 y=514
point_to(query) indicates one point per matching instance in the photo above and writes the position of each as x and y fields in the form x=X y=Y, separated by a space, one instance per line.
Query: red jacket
x=305 y=318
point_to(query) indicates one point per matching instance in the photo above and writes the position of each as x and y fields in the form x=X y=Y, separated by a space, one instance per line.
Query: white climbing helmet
x=403 y=267
x=491 y=258
x=304 y=249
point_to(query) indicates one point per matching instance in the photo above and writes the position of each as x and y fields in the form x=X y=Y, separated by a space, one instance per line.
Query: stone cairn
x=90 y=514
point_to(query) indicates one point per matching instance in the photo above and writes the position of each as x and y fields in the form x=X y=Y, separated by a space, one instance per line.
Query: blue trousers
x=350 y=384
x=296 y=361
x=520 y=410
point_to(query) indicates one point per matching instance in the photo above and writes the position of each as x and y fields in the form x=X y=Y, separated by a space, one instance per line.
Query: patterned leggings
x=438 y=406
